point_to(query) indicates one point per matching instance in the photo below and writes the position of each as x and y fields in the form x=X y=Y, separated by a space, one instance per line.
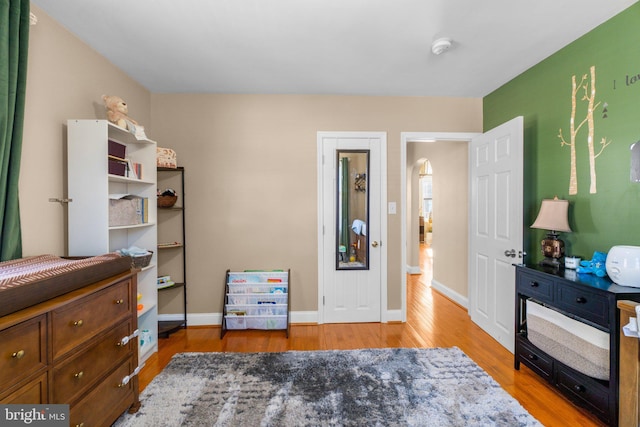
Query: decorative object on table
x=553 y=217
x=595 y=266
x=140 y=258
x=167 y=198
x=623 y=265
x=117 y=113
x=399 y=386
x=572 y=262
x=166 y=158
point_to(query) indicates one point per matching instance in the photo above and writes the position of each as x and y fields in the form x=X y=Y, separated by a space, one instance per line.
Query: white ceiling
x=356 y=47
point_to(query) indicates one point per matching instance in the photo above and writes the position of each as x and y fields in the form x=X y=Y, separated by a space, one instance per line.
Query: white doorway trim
x=405 y=138
x=384 y=311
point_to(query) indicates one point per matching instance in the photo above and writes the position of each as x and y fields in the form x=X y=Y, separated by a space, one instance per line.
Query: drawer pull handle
x=534 y=284
x=119 y=301
x=581 y=300
x=579 y=388
x=533 y=357
x=80 y=425
x=78 y=323
x=18 y=354
x=79 y=375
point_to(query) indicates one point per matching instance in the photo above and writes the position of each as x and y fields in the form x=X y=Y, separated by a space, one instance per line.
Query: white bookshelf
x=89 y=185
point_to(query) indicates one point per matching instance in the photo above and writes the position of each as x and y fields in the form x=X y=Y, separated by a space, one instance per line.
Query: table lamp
x=553 y=217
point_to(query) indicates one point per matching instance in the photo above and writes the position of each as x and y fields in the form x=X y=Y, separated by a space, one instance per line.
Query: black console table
x=583 y=297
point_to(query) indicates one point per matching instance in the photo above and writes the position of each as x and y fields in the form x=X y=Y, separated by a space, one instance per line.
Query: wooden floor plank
x=432 y=321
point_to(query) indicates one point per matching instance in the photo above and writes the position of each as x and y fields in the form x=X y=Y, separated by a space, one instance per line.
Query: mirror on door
x=352 y=247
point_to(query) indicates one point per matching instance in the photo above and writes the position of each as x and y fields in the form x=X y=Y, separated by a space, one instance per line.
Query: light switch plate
x=392 y=208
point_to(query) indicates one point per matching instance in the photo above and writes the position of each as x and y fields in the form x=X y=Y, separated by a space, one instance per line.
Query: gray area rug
x=373 y=387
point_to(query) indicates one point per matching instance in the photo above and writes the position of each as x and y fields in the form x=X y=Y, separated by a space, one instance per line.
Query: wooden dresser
x=76 y=349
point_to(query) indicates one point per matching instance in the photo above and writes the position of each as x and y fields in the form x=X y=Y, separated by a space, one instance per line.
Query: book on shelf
x=137 y=169
x=131 y=173
x=165 y=245
x=165 y=282
x=145 y=210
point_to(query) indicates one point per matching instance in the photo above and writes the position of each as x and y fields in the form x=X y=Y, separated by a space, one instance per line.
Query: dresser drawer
x=106 y=401
x=22 y=351
x=536 y=286
x=535 y=359
x=584 y=303
x=34 y=392
x=75 y=375
x=79 y=322
x=583 y=390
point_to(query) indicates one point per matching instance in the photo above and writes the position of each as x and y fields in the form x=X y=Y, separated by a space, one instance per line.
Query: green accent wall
x=543 y=96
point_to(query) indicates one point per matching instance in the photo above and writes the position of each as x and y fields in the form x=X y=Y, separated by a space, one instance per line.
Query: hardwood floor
x=432 y=321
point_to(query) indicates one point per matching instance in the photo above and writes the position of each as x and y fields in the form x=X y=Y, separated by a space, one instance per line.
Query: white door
x=495 y=234
x=351 y=252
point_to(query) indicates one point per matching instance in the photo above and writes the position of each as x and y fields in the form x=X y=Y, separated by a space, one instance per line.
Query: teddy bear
x=597 y=265
x=117 y=112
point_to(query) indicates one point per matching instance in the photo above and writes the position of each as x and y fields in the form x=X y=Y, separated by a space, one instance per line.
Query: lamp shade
x=553 y=215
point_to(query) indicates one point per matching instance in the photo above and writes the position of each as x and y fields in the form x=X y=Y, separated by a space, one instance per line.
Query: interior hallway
x=432 y=321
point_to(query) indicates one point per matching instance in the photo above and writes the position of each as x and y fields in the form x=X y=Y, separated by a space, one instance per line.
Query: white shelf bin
x=257 y=310
x=260 y=277
x=236 y=322
x=256 y=322
x=272 y=288
x=243 y=299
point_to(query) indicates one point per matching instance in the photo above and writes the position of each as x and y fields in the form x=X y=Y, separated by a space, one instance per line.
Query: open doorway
x=425 y=208
x=448 y=242
x=425 y=215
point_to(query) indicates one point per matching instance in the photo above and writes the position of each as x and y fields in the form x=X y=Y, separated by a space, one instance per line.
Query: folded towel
x=359 y=227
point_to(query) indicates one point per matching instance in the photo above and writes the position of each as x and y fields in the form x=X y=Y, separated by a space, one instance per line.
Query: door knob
x=374 y=244
x=510 y=253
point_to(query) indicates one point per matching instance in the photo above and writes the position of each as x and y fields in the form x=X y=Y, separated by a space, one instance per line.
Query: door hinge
x=323 y=300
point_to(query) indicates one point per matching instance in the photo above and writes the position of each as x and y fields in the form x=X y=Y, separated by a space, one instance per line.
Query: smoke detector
x=441 y=45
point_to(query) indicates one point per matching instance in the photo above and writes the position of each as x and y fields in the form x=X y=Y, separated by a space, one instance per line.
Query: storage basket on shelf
x=141 y=261
x=166 y=158
x=167 y=201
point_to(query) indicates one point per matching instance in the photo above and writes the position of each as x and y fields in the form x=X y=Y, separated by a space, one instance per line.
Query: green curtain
x=344 y=218
x=14 y=43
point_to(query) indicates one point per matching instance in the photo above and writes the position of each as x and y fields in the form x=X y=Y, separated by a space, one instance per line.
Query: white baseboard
x=215 y=319
x=449 y=293
x=195 y=319
x=394 y=315
x=304 y=317
x=413 y=270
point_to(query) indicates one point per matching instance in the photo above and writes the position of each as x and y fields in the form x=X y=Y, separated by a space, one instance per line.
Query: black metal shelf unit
x=172 y=250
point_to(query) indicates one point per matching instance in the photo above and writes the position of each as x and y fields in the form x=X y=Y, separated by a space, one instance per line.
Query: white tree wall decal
x=587 y=85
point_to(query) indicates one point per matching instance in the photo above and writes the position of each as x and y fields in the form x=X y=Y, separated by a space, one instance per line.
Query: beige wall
x=250 y=162
x=449 y=160
x=65 y=80
x=251 y=176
